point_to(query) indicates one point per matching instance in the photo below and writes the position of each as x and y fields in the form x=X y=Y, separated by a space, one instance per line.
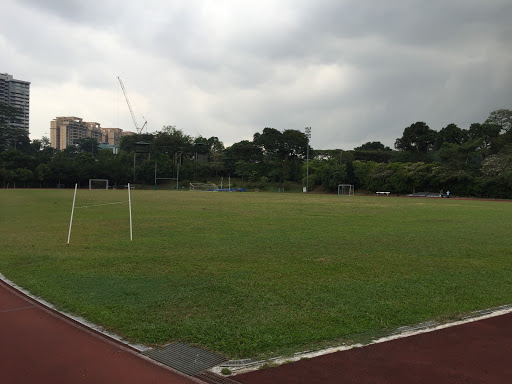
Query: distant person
x=448 y=194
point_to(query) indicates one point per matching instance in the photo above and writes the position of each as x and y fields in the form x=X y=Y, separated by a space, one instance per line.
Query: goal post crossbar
x=203 y=187
x=93 y=182
x=73 y=207
x=345 y=189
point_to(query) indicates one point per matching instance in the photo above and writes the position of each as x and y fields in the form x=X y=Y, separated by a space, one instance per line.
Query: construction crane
x=139 y=130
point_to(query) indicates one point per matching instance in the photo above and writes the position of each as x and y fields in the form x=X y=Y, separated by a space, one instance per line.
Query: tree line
x=473 y=162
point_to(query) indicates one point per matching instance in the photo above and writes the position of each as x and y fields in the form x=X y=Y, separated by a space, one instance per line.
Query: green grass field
x=257 y=274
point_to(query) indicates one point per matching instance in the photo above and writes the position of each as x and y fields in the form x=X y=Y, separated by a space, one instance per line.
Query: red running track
x=39 y=346
x=476 y=352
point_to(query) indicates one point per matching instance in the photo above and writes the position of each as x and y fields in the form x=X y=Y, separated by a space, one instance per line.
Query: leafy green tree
x=416 y=138
x=373 y=146
x=87 y=145
x=364 y=171
x=171 y=140
x=282 y=153
x=117 y=168
x=270 y=142
x=247 y=171
x=465 y=156
x=334 y=174
x=84 y=167
x=8 y=176
x=501 y=118
x=62 y=171
x=451 y=134
x=42 y=172
x=460 y=167
x=23 y=175
x=486 y=134
x=497 y=174
x=418 y=175
x=127 y=143
x=244 y=150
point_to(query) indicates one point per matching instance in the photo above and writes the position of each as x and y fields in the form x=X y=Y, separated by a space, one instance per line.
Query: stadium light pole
x=308 y=135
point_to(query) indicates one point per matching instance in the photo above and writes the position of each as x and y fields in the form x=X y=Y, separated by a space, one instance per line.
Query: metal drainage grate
x=184 y=358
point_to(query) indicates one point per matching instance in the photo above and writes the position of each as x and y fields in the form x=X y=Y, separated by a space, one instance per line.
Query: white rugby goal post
x=345 y=190
x=98 y=184
x=210 y=187
x=99 y=205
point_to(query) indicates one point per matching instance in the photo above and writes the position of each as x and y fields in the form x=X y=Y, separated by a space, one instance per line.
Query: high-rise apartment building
x=113 y=136
x=16 y=93
x=67 y=130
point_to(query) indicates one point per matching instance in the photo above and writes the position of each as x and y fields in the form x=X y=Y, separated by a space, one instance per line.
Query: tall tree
x=373 y=146
x=171 y=140
x=270 y=141
x=244 y=150
x=87 y=145
x=416 y=138
x=451 y=134
x=486 y=134
x=501 y=118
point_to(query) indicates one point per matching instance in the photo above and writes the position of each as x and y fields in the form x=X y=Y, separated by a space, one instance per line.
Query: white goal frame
x=345 y=190
x=97 y=205
x=94 y=180
x=204 y=187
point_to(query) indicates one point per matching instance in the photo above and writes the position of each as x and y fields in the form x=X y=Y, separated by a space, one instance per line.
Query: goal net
x=345 y=189
x=210 y=187
x=98 y=184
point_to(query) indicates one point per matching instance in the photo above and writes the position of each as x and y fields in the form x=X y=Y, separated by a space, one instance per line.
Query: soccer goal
x=345 y=189
x=98 y=184
x=209 y=187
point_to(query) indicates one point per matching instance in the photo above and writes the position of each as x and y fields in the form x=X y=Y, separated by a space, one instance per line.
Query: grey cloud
x=353 y=70
x=79 y=11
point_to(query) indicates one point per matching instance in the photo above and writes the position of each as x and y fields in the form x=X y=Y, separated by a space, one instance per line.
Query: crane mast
x=139 y=130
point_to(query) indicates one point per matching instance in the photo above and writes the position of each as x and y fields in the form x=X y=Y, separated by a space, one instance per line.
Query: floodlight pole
x=178 y=171
x=308 y=135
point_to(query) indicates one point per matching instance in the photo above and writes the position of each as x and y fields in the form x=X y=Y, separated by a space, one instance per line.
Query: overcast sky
x=353 y=70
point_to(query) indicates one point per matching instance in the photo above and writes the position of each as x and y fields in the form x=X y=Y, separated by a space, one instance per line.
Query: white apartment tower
x=16 y=93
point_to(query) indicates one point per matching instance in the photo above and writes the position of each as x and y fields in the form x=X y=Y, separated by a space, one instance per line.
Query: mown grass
x=252 y=274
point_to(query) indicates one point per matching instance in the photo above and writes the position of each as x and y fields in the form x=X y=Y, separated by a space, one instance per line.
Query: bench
x=383 y=193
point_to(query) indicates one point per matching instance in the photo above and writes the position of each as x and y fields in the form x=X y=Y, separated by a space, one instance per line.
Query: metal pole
x=72 y=210
x=307 y=169
x=308 y=135
x=155 y=175
x=178 y=176
x=130 y=208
